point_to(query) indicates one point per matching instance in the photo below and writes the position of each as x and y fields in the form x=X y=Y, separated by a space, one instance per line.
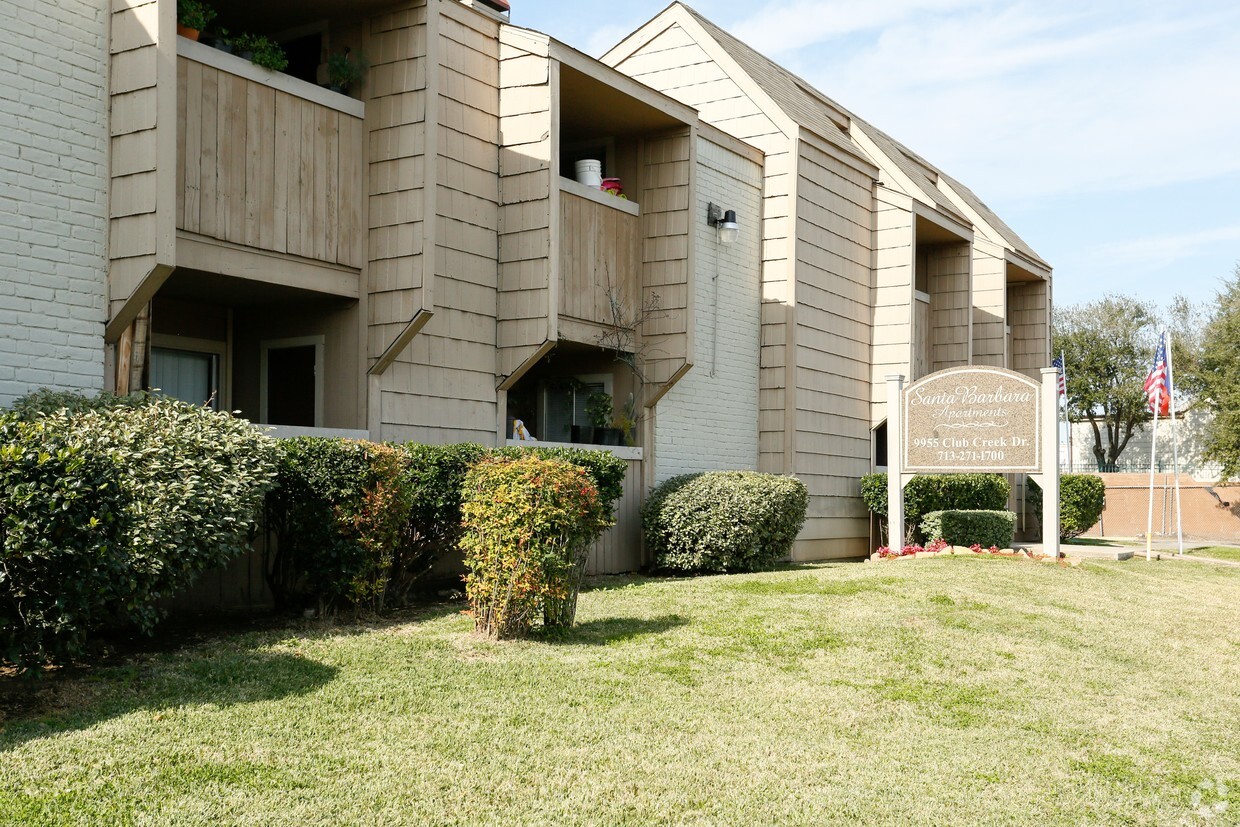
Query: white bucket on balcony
x=590 y=172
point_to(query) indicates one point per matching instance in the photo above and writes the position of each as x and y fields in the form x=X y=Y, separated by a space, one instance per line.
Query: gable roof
x=823 y=116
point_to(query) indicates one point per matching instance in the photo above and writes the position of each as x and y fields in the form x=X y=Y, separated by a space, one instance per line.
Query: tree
x=1218 y=380
x=1108 y=347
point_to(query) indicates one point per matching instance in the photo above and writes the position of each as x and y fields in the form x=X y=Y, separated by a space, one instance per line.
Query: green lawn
x=1229 y=553
x=951 y=691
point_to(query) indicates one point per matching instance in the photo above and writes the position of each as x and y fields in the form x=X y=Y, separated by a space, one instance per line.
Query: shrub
x=528 y=525
x=605 y=468
x=963 y=527
x=150 y=492
x=263 y=51
x=44 y=401
x=435 y=475
x=194 y=14
x=1081 y=500
x=723 y=520
x=938 y=492
x=340 y=512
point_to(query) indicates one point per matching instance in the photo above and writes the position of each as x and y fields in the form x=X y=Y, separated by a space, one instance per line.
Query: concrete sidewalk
x=1135 y=549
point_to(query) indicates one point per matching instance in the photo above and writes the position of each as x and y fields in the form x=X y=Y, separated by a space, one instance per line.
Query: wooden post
x=1050 y=461
x=895 y=461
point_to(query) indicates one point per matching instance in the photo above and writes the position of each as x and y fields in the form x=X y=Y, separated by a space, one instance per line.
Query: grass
x=952 y=691
x=1229 y=553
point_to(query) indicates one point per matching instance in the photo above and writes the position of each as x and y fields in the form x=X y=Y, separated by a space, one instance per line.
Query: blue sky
x=1106 y=133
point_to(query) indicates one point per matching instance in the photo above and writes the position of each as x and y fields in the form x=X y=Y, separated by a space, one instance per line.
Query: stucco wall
x=708 y=421
x=53 y=207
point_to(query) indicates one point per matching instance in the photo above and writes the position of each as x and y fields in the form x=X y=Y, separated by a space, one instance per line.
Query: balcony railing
x=599 y=254
x=267 y=161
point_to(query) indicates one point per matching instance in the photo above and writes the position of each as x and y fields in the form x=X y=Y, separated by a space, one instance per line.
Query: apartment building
x=416 y=259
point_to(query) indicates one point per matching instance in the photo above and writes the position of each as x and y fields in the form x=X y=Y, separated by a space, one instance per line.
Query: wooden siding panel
x=950 y=275
x=394 y=185
x=143 y=200
x=527 y=148
x=835 y=230
x=268 y=170
x=619 y=549
x=1029 y=318
x=665 y=180
x=598 y=259
x=990 y=311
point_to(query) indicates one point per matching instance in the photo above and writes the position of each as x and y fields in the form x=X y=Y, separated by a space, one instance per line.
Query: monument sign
x=972 y=419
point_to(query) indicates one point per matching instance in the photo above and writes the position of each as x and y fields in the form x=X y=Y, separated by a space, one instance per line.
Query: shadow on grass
x=218 y=676
x=611 y=630
x=1093 y=541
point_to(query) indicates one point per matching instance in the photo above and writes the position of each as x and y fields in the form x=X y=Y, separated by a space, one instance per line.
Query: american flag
x=1057 y=363
x=1158 y=383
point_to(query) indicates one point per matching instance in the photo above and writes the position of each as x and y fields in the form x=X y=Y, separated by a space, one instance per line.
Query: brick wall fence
x=1209 y=511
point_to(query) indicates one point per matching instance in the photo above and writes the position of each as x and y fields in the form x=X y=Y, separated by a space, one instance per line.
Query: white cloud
x=1152 y=252
x=1028 y=99
x=786 y=26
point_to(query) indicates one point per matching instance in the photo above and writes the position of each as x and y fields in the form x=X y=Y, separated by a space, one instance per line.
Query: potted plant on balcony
x=192 y=17
x=599 y=412
x=223 y=40
x=344 y=70
x=262 y=51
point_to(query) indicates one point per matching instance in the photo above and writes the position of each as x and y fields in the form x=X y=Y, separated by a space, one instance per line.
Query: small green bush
x=263 y=51
x=528 y=526
x=435 y=475
x=723 y=520
x=109 y=505
x=605 y=468
x=965 y=527
x=194 y=14
x=938 y=492
x=1082 y=497
x=340 y=512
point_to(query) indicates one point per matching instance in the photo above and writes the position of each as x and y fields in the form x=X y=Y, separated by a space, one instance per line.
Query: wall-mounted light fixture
x=724 y=222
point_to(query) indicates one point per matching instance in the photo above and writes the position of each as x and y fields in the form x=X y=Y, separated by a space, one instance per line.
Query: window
x=189 y=375
x=564 y=406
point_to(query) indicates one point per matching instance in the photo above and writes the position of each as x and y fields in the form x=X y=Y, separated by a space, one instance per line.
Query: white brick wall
x=53 y=204
x=709 y=420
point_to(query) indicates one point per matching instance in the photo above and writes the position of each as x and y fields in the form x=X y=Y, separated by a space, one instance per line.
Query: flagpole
x=1175 y=450
x=1149 y=524
x=1066 y=421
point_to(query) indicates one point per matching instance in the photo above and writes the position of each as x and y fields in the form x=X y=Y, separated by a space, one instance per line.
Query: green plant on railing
x=262 y=51
x=222 y=40
x=194 y=14
x=598 y=409
x=344 y=70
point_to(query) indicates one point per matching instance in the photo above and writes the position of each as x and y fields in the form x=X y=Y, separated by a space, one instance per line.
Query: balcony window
x=189 y=375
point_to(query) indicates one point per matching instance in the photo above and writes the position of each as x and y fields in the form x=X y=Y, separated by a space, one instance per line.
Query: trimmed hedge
x=605 y=468
x=333 y=548
x=963 y=527
x=528 y=526
x=340 y=512
x=938 y=492
x=435 y=476
x=1081 y=500
x=724 y=520
x=108 y=505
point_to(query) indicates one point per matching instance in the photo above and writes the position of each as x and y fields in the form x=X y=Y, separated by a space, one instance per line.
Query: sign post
x=974 y=420
x=1049 y=478
x=895 y=463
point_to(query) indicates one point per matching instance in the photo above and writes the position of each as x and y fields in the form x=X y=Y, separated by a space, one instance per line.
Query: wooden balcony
x=599 y=255
x=267 y=164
